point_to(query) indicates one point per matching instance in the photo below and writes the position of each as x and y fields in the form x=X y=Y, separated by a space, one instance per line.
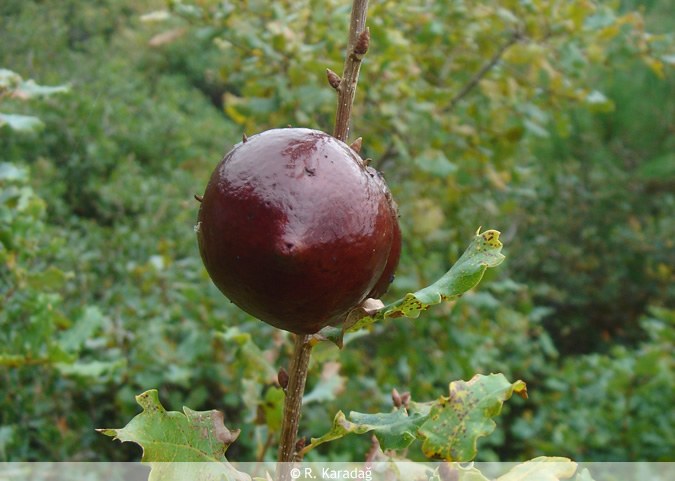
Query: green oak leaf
x=249 y=356
x=9 y=172
x=340 y=428
x=21 y=123
x=273 y=407
x=395 y=430
x=538 y=469
x=30 y=89
x=541 y=469
x=329 y=386
x=176 y=445
x=457 y=421
x=457 y=472
x=8 y=79
x=448 y=427
x=584 y=475
x=484 y=251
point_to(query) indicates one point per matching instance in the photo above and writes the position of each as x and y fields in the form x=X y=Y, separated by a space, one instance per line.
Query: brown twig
x=289 y=448
x=374 y=449
x=482 y=72
x=359 y=40
x=297 y=376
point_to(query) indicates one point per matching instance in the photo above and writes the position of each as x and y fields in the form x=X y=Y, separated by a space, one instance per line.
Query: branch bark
x=297 y=376
x=482 y=72
x=359 y=40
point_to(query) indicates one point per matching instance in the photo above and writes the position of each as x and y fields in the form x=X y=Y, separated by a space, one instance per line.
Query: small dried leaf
x=167 y=37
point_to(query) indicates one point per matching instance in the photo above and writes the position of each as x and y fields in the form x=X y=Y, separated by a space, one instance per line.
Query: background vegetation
x=565 y=145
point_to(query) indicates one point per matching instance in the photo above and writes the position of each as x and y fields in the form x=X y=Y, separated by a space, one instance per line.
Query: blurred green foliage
x=565 y=145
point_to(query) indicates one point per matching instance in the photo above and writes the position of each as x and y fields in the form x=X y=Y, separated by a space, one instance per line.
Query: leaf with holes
x=456 y=422
x=170 y=438
x=483 y=252
x=395 y=430
x=448 y=427
x=340 y=428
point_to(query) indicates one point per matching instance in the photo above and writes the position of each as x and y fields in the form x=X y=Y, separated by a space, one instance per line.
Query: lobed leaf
x=340 y=428
x=538 y=469
x=170 y=438
x=457 y=472
x=21 y=123
x=542 y=469
x=484 y=251
x=330 y=384
x=29 y=89
x=456 y=422
x=395 y=430
x=449 y=427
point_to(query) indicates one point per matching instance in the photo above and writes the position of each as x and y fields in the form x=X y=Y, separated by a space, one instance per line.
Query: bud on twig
x=405 y=399
x=356 y=145
x=282 y=378
x=333 y=78
x=300 y=444
x=396 y=397
x=363 y=42
x=198 y=198
x=244 y=138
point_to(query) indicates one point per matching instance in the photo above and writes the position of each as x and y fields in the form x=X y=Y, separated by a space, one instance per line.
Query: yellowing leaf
x=448 y=426
x=167 y=37
x=609 y=32
x=483 y=252
x=596 y=53
x=541 y=469
x=231 y=102
x=172 y=441
x=523 y=53
x=656 y=66
x=428 y=217
x=456 y=422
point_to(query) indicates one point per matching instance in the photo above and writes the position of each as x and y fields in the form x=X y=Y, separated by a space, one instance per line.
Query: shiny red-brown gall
x=295 y=230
